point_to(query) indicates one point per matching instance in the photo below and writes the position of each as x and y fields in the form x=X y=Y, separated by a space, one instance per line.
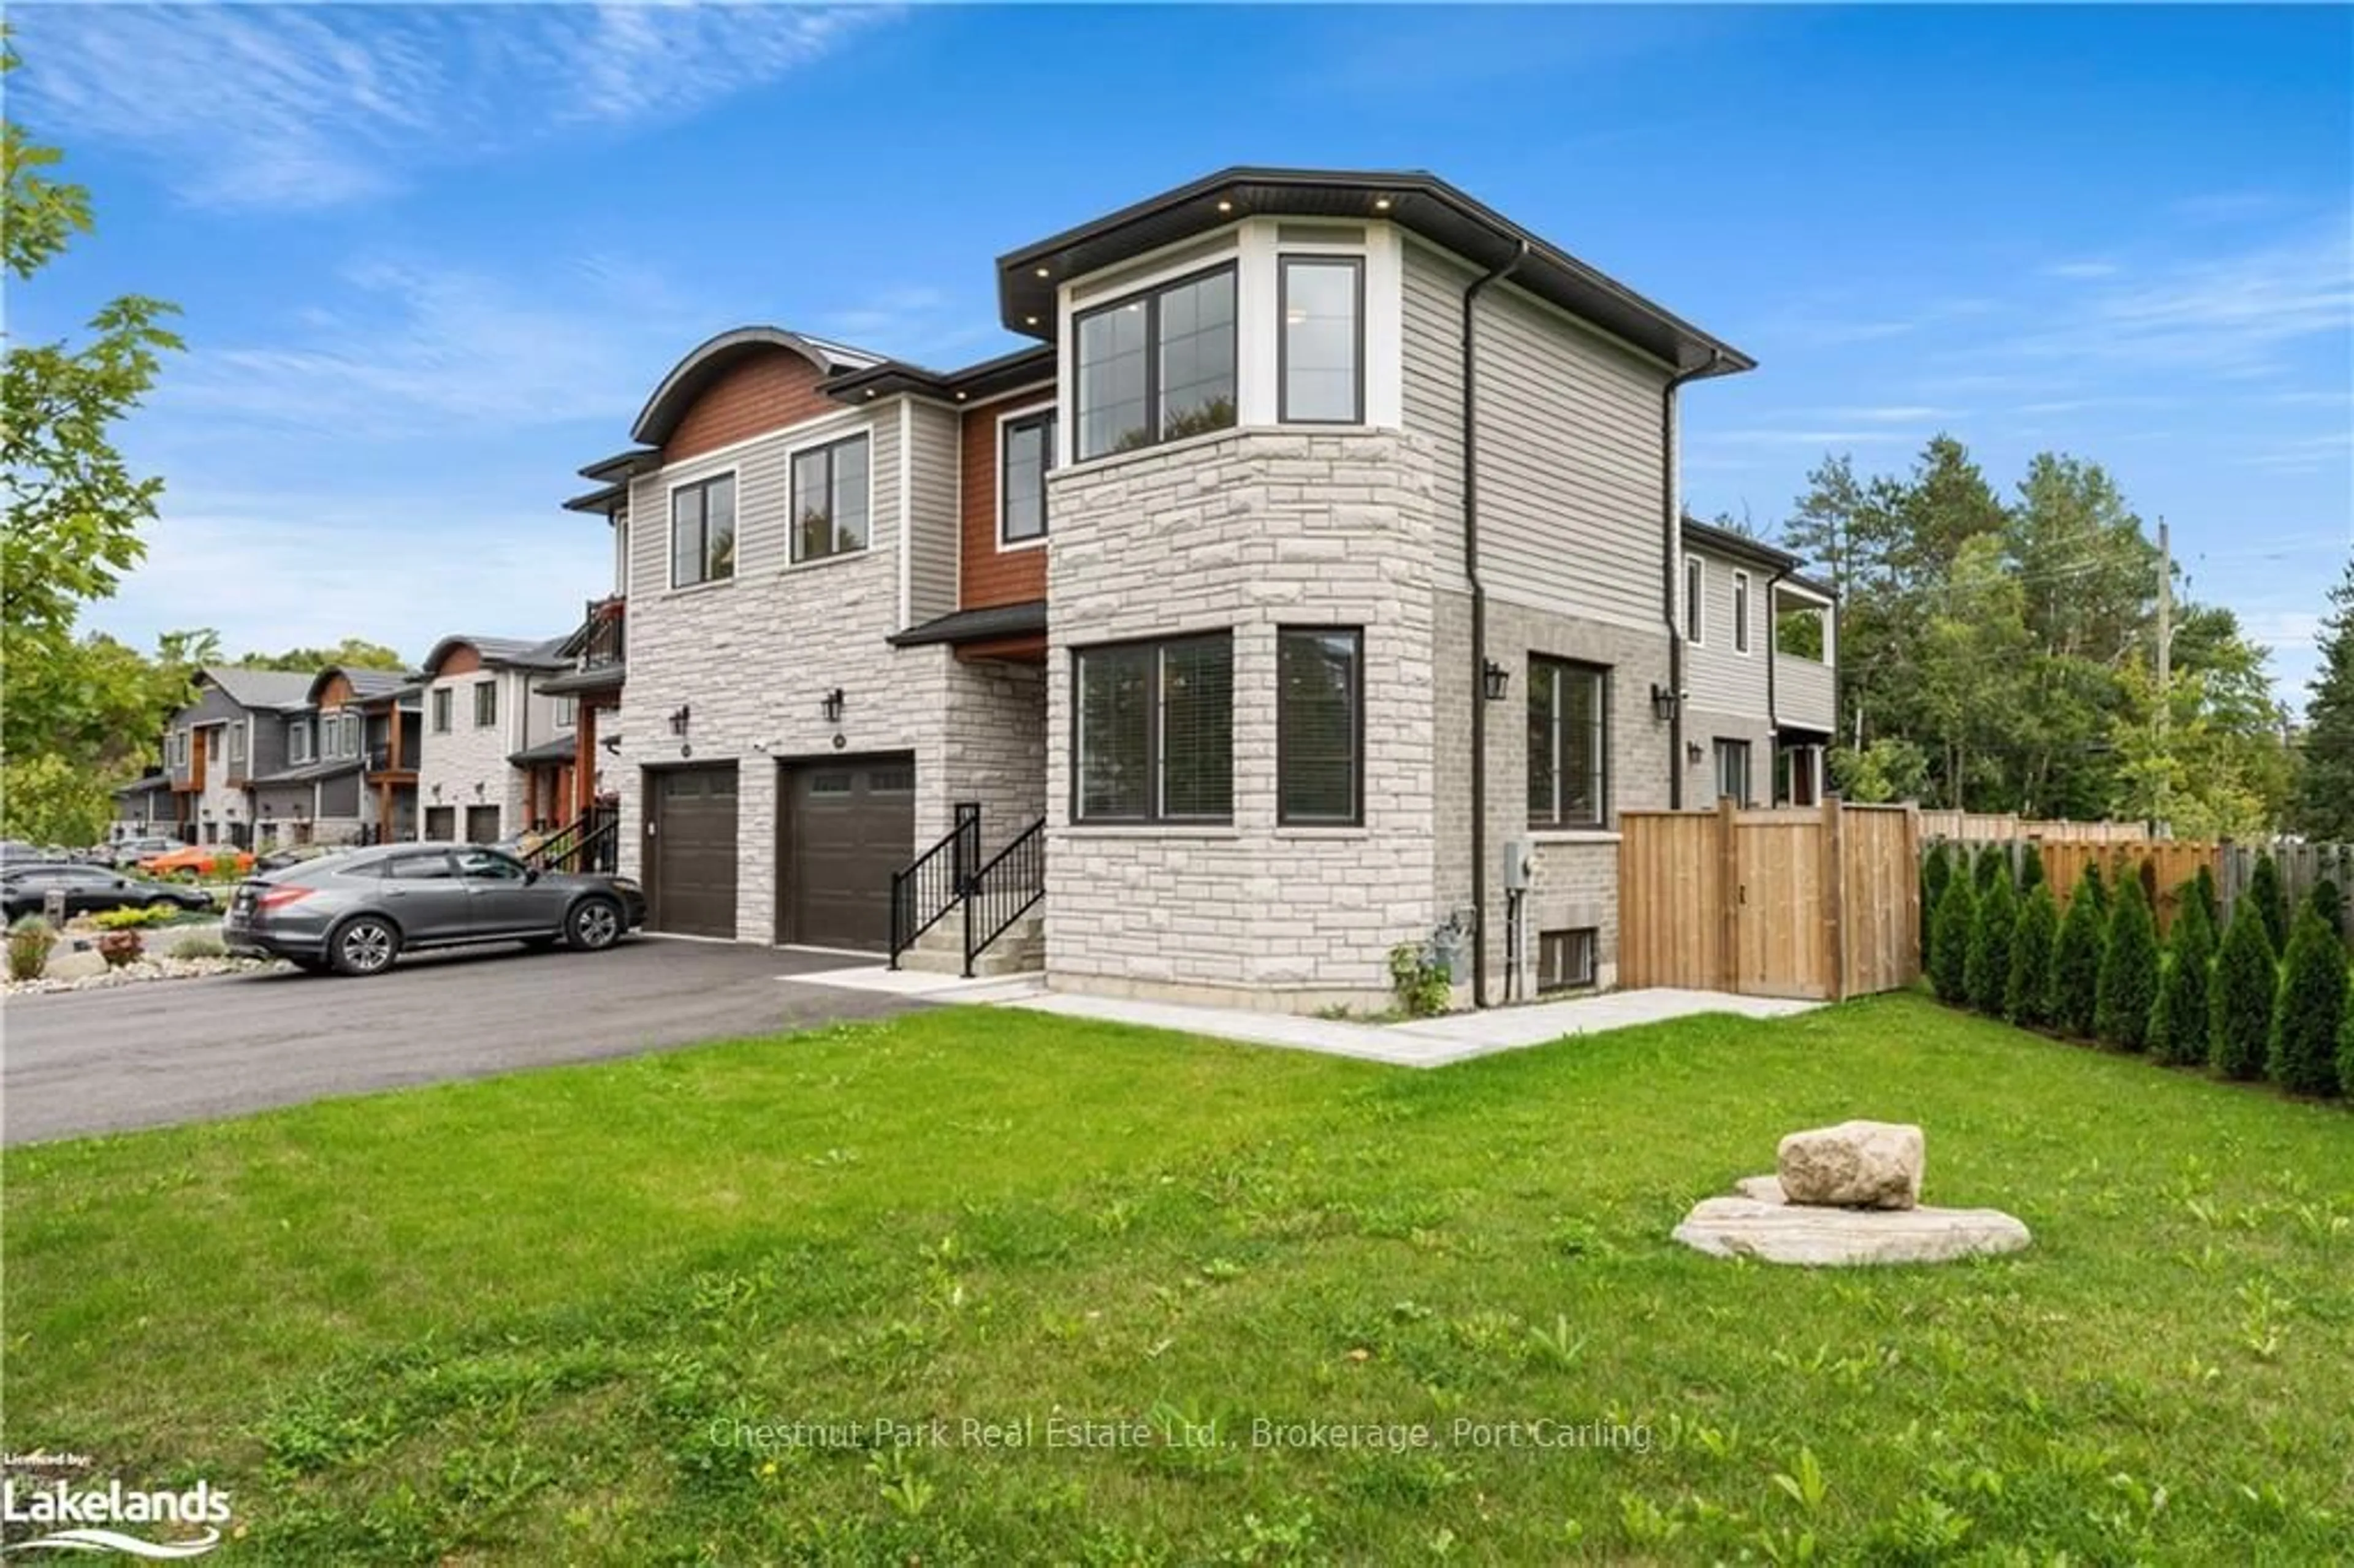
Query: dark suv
x=357 y=911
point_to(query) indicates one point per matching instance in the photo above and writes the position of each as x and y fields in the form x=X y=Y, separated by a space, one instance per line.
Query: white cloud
x=1895 y=413
x=2078 y=271
x=277 y=106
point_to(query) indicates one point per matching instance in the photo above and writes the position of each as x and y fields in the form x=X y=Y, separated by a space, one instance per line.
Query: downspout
x=1671 y=503
x=1478 y=628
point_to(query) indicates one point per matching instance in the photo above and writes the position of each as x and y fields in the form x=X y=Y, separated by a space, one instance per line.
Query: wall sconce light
x=1495 y=679
x=478 y=788
x=678 y=720
x=437 y=792
x=1691 y=752
x=611 y=743
x=832 y=706
x=1664 y=701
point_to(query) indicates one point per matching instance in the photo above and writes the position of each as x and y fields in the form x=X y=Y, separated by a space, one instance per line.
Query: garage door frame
x=788 y=771
x=651 y=781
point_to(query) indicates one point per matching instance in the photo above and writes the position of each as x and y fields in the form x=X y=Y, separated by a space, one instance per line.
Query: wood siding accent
x=335 y=694
x=1570 y=483
x=991 y=575
x=763 y=392
x=934 y=515
x=463 y=659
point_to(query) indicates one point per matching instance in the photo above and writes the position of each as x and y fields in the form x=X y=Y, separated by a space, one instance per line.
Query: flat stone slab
x=1760 y=1224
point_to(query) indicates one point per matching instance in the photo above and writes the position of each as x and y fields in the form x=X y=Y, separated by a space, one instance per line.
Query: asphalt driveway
x=177 y=1051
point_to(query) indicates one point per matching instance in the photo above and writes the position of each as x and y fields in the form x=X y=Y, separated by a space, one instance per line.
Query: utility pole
x=2165 y=661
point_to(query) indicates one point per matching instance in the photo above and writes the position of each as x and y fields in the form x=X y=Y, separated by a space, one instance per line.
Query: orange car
x=197 y=858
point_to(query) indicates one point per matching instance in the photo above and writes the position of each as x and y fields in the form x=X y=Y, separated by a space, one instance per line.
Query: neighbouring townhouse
x=1761 y=702
x=264 y=758
x=1317 y=584
x=351 y=762
x=214 y=748
x=496 y=750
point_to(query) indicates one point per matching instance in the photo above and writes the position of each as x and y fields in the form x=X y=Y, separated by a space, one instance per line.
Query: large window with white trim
x=703 y=532
x=1155 y=724
x=1157 y=366
x=830 y=486
x=1322 y=349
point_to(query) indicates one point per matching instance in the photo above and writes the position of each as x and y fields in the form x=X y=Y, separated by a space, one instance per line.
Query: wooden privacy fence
x=2165 y=864
x=1813 y=902
x=2003 y=825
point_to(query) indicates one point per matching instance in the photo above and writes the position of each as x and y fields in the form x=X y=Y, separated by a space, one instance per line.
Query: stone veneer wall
x=994 y=744
x=1249 y=531
x=1576 y=880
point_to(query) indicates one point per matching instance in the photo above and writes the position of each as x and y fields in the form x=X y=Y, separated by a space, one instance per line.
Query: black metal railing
x=604 y=641
x=1003 y=891
x=934 y=881
x=589 y=842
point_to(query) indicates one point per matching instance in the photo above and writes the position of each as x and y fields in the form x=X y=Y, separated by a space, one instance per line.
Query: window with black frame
x=1568 y=710
x=1154 y=731
x=1157 y=366
x=1322 y=346
x=1320 y=725
x=703 y=532
x=1024 y=461
x=829 y=500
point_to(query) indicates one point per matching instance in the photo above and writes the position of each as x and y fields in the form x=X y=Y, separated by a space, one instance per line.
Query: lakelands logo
x=90 y=1511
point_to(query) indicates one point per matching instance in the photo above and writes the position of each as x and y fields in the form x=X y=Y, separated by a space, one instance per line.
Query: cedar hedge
x=2127 y=987
x=1950 y=948
x=2027 y=992
x=2178 y=1029
x=1986 y=970
x=2310 y=1012
x=2076 y=962
x=2240 y=1000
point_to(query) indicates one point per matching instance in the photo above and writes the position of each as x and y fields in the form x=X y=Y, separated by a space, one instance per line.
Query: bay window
x=1568 y=744
x=1155 y=738
x=1320 y=725
x=1321 y=349
x=1157 y=366
x=830 y=485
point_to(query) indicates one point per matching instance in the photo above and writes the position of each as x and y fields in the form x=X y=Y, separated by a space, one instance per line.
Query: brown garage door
x=441 y=822
x=482 y=824
x=848 y=826
x=691 y=850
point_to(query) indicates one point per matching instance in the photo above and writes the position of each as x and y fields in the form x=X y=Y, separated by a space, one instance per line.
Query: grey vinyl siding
x=934 y=479
x=763 y=472
x=340 y=796
x=1570 y=483
x=284 y=802
x=266 y=743
x=1719 y=680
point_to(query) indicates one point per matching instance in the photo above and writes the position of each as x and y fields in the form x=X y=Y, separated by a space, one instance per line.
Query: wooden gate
x=1816 y=902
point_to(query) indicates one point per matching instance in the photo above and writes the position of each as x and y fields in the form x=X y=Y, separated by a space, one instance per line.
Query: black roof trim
x=603 y=502
x=623 y=465
x=596 y=678
x=1812 y=585
x=976 y=625
x=309 y=773
x=1725 y=541
x=1415 y=199
x=558 y=748
x=974 y=384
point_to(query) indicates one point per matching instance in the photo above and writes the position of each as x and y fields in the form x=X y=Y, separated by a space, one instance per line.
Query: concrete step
x=940 y=951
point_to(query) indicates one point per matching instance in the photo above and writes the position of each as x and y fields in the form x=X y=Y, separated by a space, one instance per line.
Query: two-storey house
x=213 y=748
x=1313 y=586
x=1760 y=699
x=493 y=747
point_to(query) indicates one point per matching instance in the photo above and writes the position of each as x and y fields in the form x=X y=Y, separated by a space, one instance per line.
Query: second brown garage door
x=691 y=850
x=848 y=826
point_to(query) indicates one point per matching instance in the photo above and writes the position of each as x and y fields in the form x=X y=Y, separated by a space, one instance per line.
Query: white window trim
x=1695 y=600
x=1030 y=411
x=475 y=703
x=793 y=452
x=568 y=712
x=670 y=528
x=1744 y=597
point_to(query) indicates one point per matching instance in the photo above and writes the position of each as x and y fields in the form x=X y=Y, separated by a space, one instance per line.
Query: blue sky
x=432 y=258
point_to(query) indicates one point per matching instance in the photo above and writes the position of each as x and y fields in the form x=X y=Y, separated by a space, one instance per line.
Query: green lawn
x=532 y=1319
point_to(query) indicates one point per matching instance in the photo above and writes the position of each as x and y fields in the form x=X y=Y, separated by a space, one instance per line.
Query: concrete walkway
x=1430 y=1043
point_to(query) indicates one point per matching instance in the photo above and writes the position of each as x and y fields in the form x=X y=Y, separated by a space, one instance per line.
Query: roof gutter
x=1671 y=511
x=1478 y=624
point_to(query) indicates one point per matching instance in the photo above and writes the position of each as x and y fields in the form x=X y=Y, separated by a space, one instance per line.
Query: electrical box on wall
x=1520 y=864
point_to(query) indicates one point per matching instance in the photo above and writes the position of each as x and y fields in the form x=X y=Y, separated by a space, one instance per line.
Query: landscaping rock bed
x=154 y=967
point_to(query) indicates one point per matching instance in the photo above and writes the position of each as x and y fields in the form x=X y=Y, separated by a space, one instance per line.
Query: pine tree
x=2076 y=965
x=2264 y=891
x=2323 y=808
x=1936 y=871
x=2202 y=887
x=2030 y=867
x=2127 y=988
x=2240 y=998
x=2326 y=901
x=1987 y=968
x=1949 y=962
x=2178 y=1029
x=2310 y=1014
x=2091 y=886
x=2027 y=992
x=1993 y=865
